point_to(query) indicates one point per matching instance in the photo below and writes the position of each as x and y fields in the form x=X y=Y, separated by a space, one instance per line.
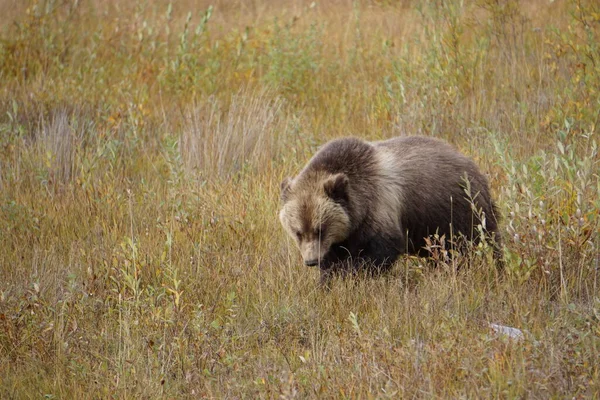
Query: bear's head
x=315 y=215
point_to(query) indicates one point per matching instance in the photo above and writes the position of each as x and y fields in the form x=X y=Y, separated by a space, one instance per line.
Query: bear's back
x=348 y=155
x=437 y=184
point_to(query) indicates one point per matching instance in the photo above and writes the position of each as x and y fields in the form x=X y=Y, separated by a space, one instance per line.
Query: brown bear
x=358 y=203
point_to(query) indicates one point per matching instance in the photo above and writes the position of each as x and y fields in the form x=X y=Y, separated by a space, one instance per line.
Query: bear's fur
x=369 y=202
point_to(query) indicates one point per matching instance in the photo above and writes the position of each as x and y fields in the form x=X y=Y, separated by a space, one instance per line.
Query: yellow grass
x=141 y=149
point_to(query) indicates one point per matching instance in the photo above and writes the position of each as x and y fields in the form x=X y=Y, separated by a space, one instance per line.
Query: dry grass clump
x=222 y=143
x=141 y=149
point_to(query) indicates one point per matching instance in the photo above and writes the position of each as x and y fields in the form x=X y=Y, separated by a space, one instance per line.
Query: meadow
x=142 y=145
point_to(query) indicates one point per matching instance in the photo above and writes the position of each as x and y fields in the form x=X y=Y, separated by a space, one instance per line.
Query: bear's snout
x=311 y=263
x=312 y=253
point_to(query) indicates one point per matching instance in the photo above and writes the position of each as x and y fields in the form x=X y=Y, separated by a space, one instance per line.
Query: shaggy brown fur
x=367 y=203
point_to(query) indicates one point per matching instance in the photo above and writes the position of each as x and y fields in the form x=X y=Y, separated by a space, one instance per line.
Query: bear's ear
x=285 y=188
x=336 y=187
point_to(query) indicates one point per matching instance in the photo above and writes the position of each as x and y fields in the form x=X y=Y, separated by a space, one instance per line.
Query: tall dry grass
x=141 y=149
x=221 y=142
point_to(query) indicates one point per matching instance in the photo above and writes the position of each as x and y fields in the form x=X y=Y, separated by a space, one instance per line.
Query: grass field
x=141 y=149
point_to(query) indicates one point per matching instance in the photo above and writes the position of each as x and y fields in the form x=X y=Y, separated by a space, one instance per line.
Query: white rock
x=512 y=333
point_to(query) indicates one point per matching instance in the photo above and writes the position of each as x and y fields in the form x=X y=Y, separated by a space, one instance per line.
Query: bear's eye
x=299 y=235
x=320 y=232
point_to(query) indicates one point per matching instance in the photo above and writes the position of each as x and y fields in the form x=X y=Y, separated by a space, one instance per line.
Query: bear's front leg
x=381 y=253
x=332 y=269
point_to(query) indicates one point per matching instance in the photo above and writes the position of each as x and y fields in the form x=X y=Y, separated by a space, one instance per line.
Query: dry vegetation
x=141 y=149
